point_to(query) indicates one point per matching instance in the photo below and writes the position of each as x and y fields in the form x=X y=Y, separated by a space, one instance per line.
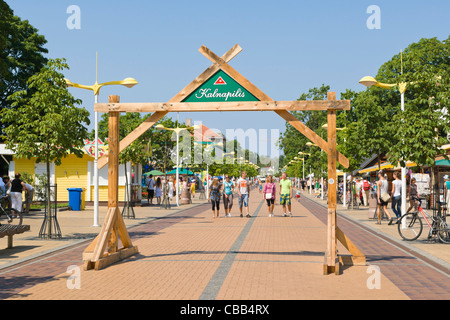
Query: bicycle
x=9 y=215
x=410 y=226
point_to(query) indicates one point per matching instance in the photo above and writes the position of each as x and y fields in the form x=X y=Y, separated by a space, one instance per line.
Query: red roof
x=205 y=134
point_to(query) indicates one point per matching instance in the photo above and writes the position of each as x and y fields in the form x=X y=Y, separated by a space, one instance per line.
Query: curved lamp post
x=127 y=82
x=371 y=81
x=304 y=154
x=310 y=144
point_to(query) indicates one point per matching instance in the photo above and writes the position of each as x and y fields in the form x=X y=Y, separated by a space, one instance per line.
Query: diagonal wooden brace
x=154 y=118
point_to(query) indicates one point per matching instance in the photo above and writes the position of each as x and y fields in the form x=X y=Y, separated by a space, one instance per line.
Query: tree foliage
x=44 y=121
x=21 y=55
x=376 y=125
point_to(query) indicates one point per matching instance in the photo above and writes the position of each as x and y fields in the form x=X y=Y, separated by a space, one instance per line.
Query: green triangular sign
x=220 y=88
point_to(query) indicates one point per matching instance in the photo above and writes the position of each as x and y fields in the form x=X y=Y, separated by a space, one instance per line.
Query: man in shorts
x=243 y=187
x=285 y=193
x=150 y=189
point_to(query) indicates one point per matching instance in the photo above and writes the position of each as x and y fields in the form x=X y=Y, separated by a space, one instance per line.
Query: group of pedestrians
x=166 y=187
x=241 y=188
x=383 y=196
x=14 y=189
x=154 y=189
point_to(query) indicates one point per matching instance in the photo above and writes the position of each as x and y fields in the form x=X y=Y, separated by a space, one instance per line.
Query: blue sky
x=288 y=46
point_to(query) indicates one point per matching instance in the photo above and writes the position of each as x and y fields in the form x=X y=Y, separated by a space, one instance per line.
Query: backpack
x=366 y=185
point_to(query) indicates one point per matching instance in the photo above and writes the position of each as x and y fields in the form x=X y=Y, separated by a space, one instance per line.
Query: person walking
x=366 y=192
x=150 y=189
x=171 y=188
x=214 y=196
x=158 y=190
x=7 y=182
x=29 y=196
x=243 y=187
x=382 y=199
x=285 y=194
x=269 y=193
x=2 y=188
x=193 y=188
x=359 y=191
x=447 y=191
x=413 y=195
x=228 y=189
x=17 y=187
x=397 y=196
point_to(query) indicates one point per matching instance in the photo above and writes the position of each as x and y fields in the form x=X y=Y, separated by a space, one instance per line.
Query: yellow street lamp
x=127 y=82
x=325 y=126
x=371 y=81
x=310 y=144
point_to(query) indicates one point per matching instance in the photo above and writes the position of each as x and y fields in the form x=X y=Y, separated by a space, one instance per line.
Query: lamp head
x=368 y=81
x=159 y=127
x=309 y=144
x=129 y=82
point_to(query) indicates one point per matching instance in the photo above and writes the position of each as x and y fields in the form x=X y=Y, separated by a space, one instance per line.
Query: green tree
x=421 y=129
x=21 y=55
x=44 y=121
x=292 y=141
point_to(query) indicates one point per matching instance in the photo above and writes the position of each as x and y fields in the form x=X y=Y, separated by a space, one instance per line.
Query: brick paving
x=190 y=255
x=416 y=275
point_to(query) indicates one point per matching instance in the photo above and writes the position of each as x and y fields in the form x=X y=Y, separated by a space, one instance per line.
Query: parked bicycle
x=9 y=215
x=410 y=226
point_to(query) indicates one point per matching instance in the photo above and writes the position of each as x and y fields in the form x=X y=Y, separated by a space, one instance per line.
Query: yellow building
x=75 y=172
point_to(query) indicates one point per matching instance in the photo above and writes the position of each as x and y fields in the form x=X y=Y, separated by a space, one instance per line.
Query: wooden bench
x=10 y=231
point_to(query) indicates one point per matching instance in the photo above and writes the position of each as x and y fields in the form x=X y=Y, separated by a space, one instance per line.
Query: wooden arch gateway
x=218 y=88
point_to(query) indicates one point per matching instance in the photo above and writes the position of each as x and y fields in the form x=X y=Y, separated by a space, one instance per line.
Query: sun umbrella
x=154 y=173
x=443 y=162
x=180 y=171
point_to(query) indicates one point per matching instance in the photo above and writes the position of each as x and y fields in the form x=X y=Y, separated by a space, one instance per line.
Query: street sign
x=220 y=88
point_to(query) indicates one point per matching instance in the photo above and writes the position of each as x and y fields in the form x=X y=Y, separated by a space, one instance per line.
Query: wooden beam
x=180 y=96
x=104 y=250
x=314 y=105
x=357 y=257
x=136 y=133
x=331 y=259
x=234 y=74
x=311 y=135
x=208 y=73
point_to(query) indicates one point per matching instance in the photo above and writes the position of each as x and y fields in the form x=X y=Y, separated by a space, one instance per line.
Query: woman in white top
x=170 y=188
x=397 y=196
x=158 y=190
x=382 y=188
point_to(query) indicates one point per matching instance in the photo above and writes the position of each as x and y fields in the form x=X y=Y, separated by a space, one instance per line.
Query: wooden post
x=331 y=262
x=104 y=250
x=114 y=227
